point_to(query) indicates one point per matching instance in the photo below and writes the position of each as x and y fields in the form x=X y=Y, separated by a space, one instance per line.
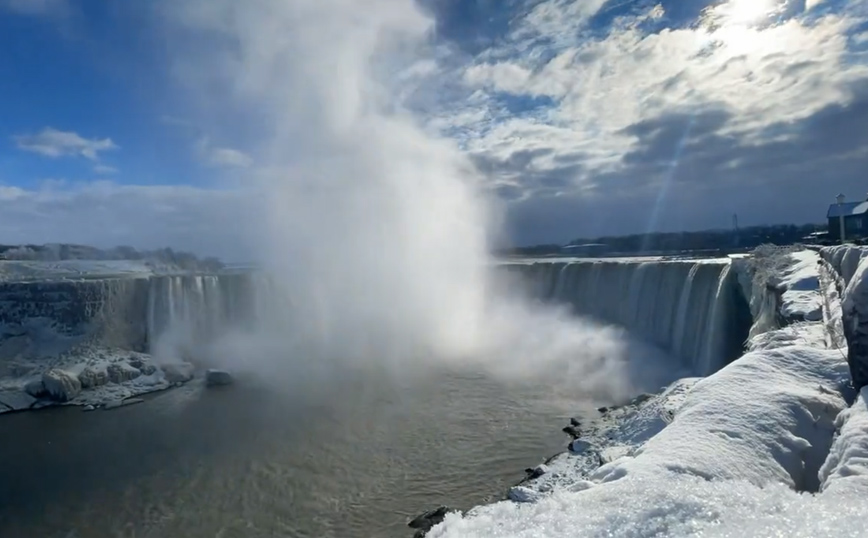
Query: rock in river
x=429 y=520
x=216 y=378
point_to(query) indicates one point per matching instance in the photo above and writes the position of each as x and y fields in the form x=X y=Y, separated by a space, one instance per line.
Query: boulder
x=429 y=520
x=120 y=372
x=35 y=388
x=90 y=378
x=521 y=494
x=217 y=378
x=572 y=431
x=144 y=366
x=177 y=372
x=62 y=386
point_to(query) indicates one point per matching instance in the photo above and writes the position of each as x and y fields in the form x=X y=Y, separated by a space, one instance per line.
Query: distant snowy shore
x=63 y=261
x=767 y=446
x=78 y=324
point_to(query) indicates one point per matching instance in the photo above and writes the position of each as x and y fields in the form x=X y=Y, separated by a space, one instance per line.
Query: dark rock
x=217 y=378
x=61 y=386
x=642 y=398
x=536 y=472
x=121 y=372
x=572 y=431
x=575 y=422
x=178 y=372
x=429 y=520
x=603 y=410
x=90 y=378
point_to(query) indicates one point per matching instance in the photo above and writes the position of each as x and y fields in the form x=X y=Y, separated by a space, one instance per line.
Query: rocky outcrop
x=120 y=372
x=429 y=520
x=91 y=377
x=60 y=385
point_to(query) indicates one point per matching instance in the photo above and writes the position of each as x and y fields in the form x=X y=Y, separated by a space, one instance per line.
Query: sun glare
x=739 y=25
x=746 y=12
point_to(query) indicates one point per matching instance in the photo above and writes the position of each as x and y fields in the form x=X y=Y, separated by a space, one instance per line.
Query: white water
x=692 y=309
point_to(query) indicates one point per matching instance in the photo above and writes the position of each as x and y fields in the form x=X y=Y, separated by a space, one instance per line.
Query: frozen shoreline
x=86 y=375
x=734 y=452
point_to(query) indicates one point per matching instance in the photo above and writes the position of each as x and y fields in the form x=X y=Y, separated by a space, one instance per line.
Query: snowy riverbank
x=766 y=446
x=98 y=332
x=87 y=375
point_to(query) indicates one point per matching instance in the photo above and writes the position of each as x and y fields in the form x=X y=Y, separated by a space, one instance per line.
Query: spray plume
x=376 y=230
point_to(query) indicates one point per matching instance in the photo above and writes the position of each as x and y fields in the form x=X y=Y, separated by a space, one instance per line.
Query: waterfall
x=692 y=309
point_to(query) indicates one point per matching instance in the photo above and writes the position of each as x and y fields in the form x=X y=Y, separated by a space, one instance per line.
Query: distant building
x=855 y=220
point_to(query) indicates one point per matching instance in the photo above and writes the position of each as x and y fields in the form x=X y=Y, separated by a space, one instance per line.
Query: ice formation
x=767 y=446
x=99 y=335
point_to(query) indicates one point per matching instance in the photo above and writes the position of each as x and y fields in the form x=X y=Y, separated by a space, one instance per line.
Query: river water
x=355 y=458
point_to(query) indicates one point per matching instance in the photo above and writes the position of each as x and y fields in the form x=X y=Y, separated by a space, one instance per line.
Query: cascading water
x=692 y=309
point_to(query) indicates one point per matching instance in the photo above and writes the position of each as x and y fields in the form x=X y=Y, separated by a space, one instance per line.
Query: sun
x=746 y=12
x=740 y=26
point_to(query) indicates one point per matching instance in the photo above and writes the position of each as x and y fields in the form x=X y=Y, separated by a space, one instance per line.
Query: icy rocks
x=429 y=520
x=177 y=372
x=35 y=388
x=217 y=378
x=521 y=494
x=120 y=372
x=90 y=378
x=146 y=368
x=62 y=386
x=579 y=447
x=536 y=472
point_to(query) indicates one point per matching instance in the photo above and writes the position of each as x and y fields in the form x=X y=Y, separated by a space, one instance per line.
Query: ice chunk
x=62 y=386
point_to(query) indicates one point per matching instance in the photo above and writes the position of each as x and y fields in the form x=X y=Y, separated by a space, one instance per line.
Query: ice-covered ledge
x=87 y=333
x=729 y=454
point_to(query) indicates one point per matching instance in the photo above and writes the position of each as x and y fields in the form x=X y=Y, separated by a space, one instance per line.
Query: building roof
x=847 y=209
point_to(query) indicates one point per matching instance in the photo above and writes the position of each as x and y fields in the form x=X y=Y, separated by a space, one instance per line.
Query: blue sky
x=582 y=118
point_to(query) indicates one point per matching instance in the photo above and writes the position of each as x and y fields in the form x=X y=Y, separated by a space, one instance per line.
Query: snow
x=731 y=462
x=800 y=282
x=21 y=270
x=846 y=469
x=95 y=357
x=735 y=454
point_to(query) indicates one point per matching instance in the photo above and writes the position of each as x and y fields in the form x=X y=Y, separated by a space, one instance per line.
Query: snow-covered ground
x=25 y=270
x=764 y=447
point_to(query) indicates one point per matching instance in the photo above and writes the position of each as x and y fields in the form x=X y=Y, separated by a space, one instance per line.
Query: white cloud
x=601 y=87
x=54 y=143
x=104 y=214
x=105 y=169
x=222 y=157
